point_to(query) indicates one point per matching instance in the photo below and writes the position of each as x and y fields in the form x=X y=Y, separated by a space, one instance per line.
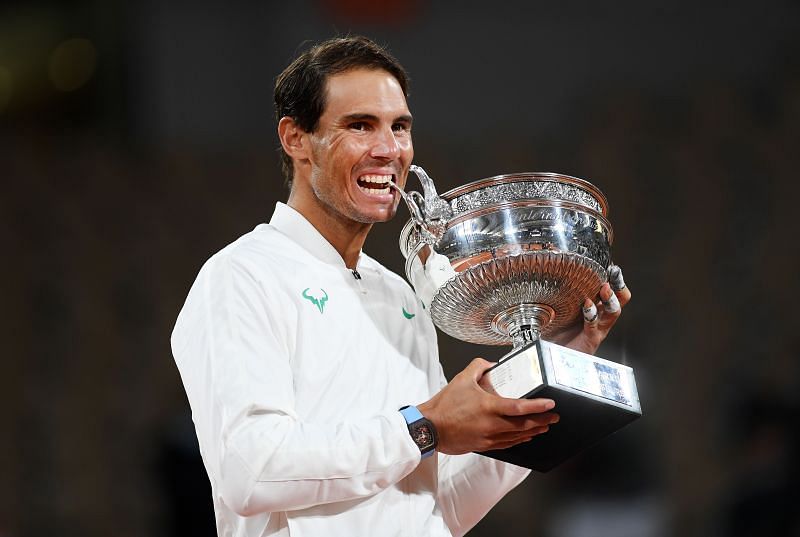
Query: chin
x=377 y=218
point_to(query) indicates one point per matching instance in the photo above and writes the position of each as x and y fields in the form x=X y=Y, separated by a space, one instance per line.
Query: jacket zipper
x=359 y=282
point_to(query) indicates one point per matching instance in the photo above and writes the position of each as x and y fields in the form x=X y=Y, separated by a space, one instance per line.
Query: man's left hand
x=598 y=315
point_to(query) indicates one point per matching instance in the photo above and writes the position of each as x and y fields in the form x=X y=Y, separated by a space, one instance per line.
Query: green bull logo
x=319 y=302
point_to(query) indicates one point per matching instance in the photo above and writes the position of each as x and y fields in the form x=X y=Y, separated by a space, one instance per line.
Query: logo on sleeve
x=408 y=315
x=316 y=298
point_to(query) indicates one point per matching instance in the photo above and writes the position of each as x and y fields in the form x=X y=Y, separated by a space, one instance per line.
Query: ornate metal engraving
x=466 y=305
x=519 y=191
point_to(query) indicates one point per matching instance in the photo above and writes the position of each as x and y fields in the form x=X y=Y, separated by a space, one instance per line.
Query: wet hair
x=300 y=90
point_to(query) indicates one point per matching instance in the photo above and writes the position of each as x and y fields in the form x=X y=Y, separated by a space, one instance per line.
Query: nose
x=385 y=145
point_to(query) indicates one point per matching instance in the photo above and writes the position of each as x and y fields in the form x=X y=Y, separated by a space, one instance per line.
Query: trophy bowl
x=507 y=259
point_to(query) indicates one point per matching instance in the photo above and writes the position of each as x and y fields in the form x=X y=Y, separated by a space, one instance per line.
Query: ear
x=293 y=139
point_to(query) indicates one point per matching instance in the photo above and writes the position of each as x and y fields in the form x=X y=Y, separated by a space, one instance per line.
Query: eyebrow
x=406 y=118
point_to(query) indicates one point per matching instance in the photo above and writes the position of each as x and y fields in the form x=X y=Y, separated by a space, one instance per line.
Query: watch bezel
x=420 y=430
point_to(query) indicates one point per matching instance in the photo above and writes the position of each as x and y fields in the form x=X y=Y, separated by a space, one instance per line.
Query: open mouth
x=374 y=184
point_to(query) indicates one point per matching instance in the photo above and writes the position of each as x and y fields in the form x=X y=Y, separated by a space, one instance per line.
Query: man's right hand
x=468 y=418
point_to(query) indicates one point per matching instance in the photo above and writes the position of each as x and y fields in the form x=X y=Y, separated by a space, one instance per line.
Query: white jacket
x=295 y=371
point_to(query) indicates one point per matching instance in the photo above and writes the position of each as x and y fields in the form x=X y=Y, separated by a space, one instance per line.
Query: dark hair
x=300 y=88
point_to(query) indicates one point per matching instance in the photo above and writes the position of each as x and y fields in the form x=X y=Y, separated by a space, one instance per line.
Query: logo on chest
x=318 y=297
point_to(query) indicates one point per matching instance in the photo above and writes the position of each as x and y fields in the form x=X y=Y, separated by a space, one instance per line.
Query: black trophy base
x=569 y=378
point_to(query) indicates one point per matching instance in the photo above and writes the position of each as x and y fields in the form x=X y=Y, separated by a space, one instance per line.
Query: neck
x=346 y=236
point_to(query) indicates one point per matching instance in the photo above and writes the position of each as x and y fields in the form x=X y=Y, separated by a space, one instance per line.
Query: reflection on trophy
x=510 y=260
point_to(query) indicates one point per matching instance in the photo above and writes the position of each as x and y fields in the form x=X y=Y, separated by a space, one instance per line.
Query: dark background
x=137 y=138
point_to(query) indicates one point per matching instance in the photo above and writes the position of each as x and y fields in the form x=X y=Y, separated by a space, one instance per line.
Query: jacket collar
x=295 y=226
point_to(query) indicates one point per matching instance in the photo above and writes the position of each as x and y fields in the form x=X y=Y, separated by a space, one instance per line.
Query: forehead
x=370 y=91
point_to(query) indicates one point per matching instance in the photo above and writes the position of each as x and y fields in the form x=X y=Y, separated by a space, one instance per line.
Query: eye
x=401 y=127
x=358 y=126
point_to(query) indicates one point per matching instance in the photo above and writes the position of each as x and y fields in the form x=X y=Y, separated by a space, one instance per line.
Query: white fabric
x=295 y=402
x=427 y=278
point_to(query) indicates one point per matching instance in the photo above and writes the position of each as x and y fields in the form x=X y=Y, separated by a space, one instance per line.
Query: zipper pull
x=356 y=275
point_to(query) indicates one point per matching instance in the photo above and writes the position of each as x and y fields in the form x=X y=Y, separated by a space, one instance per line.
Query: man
x=297 y=357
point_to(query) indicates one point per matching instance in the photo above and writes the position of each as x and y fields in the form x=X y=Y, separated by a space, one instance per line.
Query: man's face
x=363 y=141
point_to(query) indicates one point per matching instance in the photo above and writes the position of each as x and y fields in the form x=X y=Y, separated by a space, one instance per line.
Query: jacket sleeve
x=233 y=347
x=470 y=485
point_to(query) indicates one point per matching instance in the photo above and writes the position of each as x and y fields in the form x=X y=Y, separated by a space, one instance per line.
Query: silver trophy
x=510 y=260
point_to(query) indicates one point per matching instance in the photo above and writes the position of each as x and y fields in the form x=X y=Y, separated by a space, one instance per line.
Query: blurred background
x=137 y=138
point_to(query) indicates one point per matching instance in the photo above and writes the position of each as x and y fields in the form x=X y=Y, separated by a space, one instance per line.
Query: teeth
x=376 y=178
x=381 y=181
x=374 y=190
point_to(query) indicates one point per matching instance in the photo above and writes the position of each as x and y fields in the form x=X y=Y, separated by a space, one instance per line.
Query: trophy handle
x=436 y=209
x=429 y=211
x=414 y=202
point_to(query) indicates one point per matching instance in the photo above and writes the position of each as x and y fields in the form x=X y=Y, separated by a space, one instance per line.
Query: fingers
x=523 y=424
x=614 y=295
x=617 y=283
x=615 y=278
x=610 y=301
x=506 y=445
x=468 y=418
x=521 y=407
x=477 y=368
x=523 y=429
x=589 y=312
x=506 y=440
x=599 y=317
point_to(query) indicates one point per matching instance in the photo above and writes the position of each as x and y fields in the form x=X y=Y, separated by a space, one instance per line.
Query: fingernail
x=590 y=312
x=605 y=291
x=612 y=304
x=615 y=278
x=549 y=403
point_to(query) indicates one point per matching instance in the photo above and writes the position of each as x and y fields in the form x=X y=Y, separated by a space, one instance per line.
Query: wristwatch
x=421 y=430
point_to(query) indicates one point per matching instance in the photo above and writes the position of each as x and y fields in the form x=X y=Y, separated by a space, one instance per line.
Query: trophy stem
x=523 y=323
x=523 y=336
